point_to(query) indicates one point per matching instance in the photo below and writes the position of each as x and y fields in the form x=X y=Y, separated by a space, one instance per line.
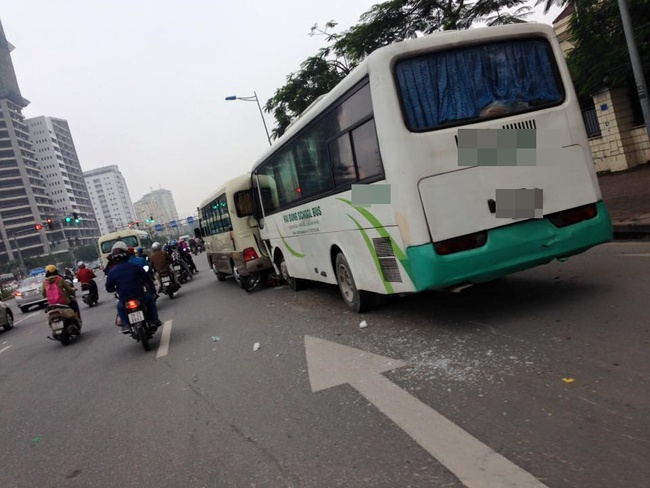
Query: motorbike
x=63 y=323
x=89 y=294
x=140 y=327
x=255 y=281
x=168 y=286
x=181 y=268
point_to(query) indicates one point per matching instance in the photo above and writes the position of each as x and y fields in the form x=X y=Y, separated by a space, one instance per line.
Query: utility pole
x=637 y=68
x=20 y=256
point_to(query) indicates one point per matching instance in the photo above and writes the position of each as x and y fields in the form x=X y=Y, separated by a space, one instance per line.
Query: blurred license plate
x=166 y=280
x=177 y=267
x=136 y=317
x=56 y=326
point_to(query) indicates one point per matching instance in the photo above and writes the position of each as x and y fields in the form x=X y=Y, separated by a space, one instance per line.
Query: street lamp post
x=253 y=99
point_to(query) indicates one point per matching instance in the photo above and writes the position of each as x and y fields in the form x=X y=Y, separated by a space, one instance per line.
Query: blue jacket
x=137 y=260
x=128 y=280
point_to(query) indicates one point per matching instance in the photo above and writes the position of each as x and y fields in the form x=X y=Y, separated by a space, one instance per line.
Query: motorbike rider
x=186 y=254
x=53 y=278
x=87 y=276
x=161 y=262
x=135 y=259
x=130 y=280
x=139 y=251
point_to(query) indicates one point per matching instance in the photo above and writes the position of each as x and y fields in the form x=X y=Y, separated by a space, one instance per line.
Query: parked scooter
x=63 y=323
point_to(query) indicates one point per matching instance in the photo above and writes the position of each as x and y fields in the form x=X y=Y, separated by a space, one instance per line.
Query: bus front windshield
x=466 y=85
x=130 y=241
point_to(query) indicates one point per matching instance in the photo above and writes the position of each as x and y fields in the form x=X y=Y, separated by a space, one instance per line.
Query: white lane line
x=4 y=349
x=163 y=348
x=25 y=318
x=636 y=255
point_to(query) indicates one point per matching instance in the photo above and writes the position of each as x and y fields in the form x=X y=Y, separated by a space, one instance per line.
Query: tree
x=86 y=253
x=600 y=57
x=382 y=24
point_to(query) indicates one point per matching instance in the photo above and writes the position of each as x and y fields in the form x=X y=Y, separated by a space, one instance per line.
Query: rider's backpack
x=55 y=293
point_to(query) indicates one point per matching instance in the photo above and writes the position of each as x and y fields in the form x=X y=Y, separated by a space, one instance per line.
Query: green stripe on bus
x=399 y=254
x=373 y=253
x=289 y=248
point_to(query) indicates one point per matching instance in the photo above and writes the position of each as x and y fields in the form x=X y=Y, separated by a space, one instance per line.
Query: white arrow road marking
x=475 y=464
x=163 y=348
x=4 y=349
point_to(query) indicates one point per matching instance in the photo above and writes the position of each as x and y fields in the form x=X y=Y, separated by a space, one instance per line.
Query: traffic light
x=39 y=226
x=68 y=219
x=137 y=223
x=76 y=217
x=50 y=224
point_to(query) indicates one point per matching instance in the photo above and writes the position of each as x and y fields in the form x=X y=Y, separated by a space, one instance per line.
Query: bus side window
x=366 y=151
x=342 y=161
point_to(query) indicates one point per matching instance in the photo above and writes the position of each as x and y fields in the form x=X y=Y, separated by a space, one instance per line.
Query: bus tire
x=296 y=284
x=358 y=301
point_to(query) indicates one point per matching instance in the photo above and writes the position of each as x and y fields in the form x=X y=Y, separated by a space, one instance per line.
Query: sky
x=142 y=83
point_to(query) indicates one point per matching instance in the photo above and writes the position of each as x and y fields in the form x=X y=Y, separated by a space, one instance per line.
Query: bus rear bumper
x=508 y=249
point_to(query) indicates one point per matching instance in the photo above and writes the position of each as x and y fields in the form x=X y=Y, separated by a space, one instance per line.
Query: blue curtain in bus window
x=458 y=85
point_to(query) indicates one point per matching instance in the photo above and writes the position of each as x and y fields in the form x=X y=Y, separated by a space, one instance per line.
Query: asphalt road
x=543 y=376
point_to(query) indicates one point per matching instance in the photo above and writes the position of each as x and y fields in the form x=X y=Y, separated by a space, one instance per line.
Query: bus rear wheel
x=358 y=301
x=295 y=284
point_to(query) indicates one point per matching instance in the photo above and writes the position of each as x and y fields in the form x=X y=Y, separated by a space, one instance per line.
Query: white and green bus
x=439 y=162
x=231 y=233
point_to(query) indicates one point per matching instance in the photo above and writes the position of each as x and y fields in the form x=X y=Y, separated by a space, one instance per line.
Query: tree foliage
x=600 y=56
x=382 y=24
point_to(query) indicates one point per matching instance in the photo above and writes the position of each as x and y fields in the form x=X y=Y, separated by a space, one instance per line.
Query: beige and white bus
x=131 y=237
x=231 y=233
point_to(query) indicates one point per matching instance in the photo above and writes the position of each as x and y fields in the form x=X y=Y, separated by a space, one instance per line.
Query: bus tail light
x=462 y=243
x=249 y=254
x=573 y=215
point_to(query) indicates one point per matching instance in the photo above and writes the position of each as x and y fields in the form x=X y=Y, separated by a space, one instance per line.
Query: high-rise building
x=24 y=204
x=64 y=182
x=110 y=198
x=158 y=204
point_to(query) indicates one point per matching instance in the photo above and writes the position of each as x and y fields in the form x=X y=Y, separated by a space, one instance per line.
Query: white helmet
x=155 y=246
x=81 y=264
x=119 y=246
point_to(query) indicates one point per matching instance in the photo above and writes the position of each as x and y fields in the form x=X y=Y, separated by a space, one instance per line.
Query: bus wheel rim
x=345 y=284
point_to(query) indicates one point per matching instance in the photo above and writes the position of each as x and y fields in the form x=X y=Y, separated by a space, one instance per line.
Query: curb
x=631 y=231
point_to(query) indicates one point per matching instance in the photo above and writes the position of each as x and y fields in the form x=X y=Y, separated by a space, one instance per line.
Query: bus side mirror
x=257 y=208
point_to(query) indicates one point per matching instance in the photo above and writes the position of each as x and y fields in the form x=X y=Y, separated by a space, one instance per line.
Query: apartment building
x=110 y=198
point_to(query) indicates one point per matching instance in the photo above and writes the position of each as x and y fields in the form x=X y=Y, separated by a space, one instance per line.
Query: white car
x=29 y=293
x=6 y=316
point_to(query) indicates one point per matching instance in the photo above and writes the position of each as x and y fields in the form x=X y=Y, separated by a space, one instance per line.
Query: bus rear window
x=471 y=84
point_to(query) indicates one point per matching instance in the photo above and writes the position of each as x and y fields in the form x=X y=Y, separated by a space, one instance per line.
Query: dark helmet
x=139 y=250
x=173 y=243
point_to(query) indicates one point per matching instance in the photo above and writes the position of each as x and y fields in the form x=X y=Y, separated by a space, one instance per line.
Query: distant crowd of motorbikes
x=169 y=265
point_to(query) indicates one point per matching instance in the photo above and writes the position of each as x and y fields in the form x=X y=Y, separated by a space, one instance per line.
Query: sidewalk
x=627 y=196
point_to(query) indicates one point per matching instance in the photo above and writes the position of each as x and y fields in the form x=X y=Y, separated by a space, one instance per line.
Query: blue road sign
x=190 y=220
x=173 y=223
x=158 y=228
